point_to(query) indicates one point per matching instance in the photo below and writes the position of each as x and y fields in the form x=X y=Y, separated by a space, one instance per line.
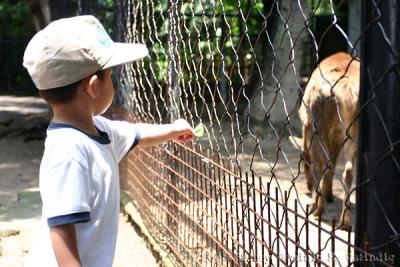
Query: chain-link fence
x=271 y=181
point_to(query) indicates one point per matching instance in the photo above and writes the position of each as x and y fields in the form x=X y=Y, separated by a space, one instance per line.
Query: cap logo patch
x=103 y=38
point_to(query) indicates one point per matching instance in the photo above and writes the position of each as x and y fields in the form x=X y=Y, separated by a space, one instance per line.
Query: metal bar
x=378 y=186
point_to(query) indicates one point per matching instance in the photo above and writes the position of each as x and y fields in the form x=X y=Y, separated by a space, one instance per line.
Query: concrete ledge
x=129 y=207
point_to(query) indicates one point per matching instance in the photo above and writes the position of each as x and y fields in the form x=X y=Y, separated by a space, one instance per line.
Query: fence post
x=174 y=61
x=378 y=170
x=172 y=105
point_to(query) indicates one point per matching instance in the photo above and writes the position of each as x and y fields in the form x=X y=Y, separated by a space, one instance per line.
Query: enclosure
x=238 y=196
x=253 y=74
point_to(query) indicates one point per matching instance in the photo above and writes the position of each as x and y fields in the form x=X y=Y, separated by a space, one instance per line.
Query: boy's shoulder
x=63 y=141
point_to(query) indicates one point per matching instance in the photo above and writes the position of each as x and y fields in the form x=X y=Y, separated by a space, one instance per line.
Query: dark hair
x=65 y=93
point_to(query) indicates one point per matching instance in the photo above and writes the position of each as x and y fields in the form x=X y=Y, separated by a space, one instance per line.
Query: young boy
x=70 y=63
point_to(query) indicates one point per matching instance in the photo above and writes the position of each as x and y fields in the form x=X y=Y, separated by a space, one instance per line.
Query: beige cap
x=68 y=50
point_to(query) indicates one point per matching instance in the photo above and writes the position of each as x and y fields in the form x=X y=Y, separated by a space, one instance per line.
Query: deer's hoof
x=318 y=212
x=345 y=227
x=329 y=198
x=345 y=223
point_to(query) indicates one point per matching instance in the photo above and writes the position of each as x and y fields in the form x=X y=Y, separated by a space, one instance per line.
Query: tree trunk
x=277 y=100
x=40 y=13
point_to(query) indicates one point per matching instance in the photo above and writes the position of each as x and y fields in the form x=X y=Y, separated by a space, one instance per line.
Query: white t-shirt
x=79 y=183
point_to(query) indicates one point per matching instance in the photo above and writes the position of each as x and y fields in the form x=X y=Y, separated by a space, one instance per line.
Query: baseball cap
x=70 y=49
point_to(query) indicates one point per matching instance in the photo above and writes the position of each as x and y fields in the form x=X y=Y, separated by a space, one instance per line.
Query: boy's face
x=106 y=92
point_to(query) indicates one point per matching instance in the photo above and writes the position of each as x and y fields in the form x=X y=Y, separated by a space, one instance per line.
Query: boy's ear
x=90 y=84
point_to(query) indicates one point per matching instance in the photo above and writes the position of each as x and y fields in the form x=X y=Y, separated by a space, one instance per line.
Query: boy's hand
x=182 y=131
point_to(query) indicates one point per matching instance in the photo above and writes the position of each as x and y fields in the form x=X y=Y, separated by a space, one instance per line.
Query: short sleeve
x=124 y=135
x=65 y=190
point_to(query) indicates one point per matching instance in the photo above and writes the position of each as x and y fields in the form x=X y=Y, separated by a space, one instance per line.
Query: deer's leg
x=334 y=148
x=326 y=167
x=307 y=158
x=324 y=189
x=327 y=180
x=308 y=166
x=350 y=154
x=317 y=176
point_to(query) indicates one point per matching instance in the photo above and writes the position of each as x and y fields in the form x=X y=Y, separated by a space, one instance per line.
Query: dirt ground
x=23 y=121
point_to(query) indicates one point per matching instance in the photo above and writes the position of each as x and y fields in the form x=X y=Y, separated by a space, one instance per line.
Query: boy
x=70 y=63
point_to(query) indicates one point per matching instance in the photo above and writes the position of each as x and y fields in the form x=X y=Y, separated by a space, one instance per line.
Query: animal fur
x=328 y=115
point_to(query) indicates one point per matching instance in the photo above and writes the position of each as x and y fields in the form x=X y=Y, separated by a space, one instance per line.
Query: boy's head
x=69 y=50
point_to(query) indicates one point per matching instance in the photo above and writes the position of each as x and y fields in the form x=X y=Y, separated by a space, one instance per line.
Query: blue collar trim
x=102 y=139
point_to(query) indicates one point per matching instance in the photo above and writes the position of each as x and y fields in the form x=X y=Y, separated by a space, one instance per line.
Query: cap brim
x=125 y=53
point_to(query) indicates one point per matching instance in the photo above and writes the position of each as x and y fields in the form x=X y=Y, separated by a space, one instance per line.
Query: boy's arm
x=63 y=239
x=152 y=134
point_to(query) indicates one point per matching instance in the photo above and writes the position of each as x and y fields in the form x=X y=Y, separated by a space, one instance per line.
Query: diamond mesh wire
x=240 y=194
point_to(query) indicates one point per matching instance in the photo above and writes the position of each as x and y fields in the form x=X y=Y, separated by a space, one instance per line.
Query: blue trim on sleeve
x=136 y=141
x=79 y=217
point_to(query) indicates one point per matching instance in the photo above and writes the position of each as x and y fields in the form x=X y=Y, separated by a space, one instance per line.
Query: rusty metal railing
x=219 y=216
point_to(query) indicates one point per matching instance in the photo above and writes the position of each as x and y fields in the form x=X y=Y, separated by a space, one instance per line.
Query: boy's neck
x=75 y=118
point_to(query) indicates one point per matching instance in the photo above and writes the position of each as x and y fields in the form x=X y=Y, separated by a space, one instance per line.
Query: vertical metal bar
x=333 y=256
x=286 y=230
x=349 y=247
x=242 y=218
x=318 y=256
x=256 y=227
x=199 y=177
x=231 y=215
x=238 y=226
x=193 y=211
x=277 y=227
x=181 y=203
x=186 y=188
x=249 y=233
x=296 y=231
x=191 y=191
x=220 y=231
x=262 y=222
x=208 y=210
x=270 y=249
x=210 y=186
x=377 y=203
x=223 y=203
x=307 y=235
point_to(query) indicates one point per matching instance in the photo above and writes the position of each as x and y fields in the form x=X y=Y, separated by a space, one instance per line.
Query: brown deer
x=328 y=115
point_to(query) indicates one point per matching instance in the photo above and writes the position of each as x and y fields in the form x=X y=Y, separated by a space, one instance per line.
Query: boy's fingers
x=186 y=137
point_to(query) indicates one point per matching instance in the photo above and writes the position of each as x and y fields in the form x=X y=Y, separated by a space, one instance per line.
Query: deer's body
x=328 y=116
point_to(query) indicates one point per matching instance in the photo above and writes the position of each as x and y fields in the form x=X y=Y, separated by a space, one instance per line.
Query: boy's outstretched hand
x=155 y=134
x=183 y=132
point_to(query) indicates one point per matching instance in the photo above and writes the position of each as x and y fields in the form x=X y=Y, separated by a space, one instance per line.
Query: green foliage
x=212 y=31
x=15 y=14
x=15 y=30
x=103 y=9
x=325 y=7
